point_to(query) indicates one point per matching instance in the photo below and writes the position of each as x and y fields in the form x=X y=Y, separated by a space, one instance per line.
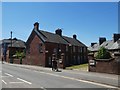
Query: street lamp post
x=11 y=61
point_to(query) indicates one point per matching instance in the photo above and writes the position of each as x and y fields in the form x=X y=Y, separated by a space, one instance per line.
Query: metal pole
x=11 y=61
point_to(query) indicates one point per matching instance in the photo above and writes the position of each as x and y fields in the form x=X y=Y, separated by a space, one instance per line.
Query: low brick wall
x=111 y=66
x=17 y=61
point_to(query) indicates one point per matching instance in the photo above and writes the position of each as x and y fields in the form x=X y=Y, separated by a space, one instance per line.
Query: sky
x=88 y=20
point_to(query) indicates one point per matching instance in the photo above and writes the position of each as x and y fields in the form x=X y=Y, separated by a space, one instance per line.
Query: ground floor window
x=78 y=60
x=74 y=60
x=50 y=61
x=67 y=62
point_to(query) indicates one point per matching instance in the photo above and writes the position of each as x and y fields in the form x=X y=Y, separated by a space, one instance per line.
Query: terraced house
x=41 y=46
x=111 y=65
x=112 y=45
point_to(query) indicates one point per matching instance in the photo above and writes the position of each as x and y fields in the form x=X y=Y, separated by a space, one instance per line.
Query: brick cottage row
x=42 y=46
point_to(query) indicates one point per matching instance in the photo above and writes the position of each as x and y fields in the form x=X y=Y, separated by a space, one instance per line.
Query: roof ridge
x=56 y=34
x=63 y=39
x=46 y=31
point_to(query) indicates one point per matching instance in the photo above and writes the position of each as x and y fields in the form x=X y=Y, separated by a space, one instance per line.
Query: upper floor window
x=55 y=50
x=81 y=50
x=78 y=49
x=28 y=49
x=66 y=48
x=73 y=48
x=85 y=49
x=40 y=48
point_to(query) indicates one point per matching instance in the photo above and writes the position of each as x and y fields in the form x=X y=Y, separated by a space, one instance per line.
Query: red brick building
x=41 y=45
x=6 y=50
x=111 y=65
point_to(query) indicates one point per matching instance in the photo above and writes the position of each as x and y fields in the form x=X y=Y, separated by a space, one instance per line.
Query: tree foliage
x=20 y=55
x=102 y=54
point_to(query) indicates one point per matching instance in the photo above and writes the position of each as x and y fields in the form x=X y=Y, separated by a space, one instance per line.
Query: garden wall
x=105 y=65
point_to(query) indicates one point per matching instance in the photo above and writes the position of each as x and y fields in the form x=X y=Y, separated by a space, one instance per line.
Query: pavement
x=101 y=79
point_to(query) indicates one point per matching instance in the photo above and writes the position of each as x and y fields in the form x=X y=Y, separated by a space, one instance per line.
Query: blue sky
x=88 y=20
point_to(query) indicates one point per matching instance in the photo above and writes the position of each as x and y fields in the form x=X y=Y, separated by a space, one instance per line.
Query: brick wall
x=50 y=47
x=13 y=50
x=33 y=54
x=105 y=65
x=17 y=61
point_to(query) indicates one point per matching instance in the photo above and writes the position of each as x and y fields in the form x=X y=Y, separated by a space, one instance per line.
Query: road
x=44 y=78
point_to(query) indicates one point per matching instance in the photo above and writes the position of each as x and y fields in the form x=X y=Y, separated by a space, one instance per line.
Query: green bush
x=103 y=54
x=20 y=55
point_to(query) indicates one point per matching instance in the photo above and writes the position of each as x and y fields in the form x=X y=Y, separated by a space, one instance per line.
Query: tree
x=102 y=54
x=20 y=55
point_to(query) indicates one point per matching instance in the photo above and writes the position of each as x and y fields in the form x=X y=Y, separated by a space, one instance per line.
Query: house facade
x=43 y=46
x=8 y=50
x=111 y=65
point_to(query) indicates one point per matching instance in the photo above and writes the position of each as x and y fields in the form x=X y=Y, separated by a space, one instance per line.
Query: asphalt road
x=22 y=77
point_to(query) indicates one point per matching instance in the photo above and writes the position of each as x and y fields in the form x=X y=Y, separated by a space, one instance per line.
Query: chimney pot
x=101 y=40
x=74 y=36
x=92 y=44
x=36 y=26
x=116 y=37
x=59 y=32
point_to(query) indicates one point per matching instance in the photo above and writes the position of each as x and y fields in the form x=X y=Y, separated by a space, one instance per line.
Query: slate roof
x=95 y=47
x=18 y=44
x=51 y=37
x=109 y=44
x=73 y=41
x=6 y=41
x=55 y=38
x=15 y=43
x=116 y=45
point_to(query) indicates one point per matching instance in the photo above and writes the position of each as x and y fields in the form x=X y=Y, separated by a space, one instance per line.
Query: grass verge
x=79 y=67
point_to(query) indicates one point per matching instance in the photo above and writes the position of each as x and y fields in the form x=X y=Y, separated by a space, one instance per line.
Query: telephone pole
x=11 y=61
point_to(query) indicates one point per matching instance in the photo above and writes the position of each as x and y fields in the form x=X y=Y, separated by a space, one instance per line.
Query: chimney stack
x=116 y=37
x=36 y=26
x=92 y=44
x=101 y=40
x=74 y=36
x=59 y=32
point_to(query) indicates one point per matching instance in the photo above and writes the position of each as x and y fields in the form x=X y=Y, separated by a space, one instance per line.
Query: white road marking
x=24 y=80
x=80 y=80
x=4 y=82
x=15 y=82
x=9 y=74
x=43 y=88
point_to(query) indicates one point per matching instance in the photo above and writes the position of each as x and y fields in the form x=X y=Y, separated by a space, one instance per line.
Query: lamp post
x=11 y=61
